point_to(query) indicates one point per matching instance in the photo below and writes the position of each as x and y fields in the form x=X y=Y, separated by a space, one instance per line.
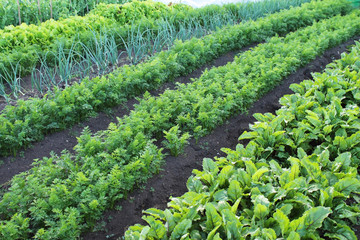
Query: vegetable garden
x=294 y=175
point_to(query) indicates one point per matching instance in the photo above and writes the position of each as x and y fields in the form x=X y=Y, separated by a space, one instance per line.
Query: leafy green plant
x=175 y=141
x=35 y=12
x=108 y=164
x=293 y=180
x=21 y=43
x=30 y=120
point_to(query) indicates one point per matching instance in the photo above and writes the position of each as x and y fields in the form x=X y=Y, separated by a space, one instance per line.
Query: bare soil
x=172 y=179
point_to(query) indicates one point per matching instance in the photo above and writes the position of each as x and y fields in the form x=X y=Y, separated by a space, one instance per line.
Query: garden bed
x=171 y=181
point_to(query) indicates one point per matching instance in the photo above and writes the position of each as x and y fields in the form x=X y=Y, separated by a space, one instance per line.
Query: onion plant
x=3 y=92
x=103 y=51
x=64 y=60
x=12 y=79
x=156 y=40
x=44 y=77
x=135 y=44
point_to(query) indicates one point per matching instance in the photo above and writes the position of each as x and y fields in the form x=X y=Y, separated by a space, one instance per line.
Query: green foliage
x=64 y=195
x=28 y=121
x=157 y=26
x=296 y=186
x=129 y=12
x=174 y=141
x=29 y=10
x=27 y=43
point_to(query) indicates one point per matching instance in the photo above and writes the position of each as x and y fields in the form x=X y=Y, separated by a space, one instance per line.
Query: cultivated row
x=64 y=195
x=23 y=46
x=293 y=180
x=28 y=121
x=138 y=27
x=35 y=12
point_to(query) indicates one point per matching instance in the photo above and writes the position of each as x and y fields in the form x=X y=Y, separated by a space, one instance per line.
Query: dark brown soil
x=172 y=180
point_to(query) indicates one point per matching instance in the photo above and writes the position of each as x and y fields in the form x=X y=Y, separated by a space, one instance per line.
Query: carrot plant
x=174 y=141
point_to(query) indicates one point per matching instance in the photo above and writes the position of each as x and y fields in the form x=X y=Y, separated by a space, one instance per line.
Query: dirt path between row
x=172 y=179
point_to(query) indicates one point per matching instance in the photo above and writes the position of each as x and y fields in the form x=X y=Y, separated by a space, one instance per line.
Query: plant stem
x=51 y=9
x=39 y=10
x=19 y=13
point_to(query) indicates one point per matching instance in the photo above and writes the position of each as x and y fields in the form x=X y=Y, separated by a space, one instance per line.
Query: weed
x=100 y=226
x=204 y=146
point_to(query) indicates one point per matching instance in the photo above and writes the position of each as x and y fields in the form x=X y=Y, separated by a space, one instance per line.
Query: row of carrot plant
x=64 y=195
x=29 y=120
x=297 y=178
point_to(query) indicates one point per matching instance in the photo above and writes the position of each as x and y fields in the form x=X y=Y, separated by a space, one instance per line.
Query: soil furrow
x=172 y=179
